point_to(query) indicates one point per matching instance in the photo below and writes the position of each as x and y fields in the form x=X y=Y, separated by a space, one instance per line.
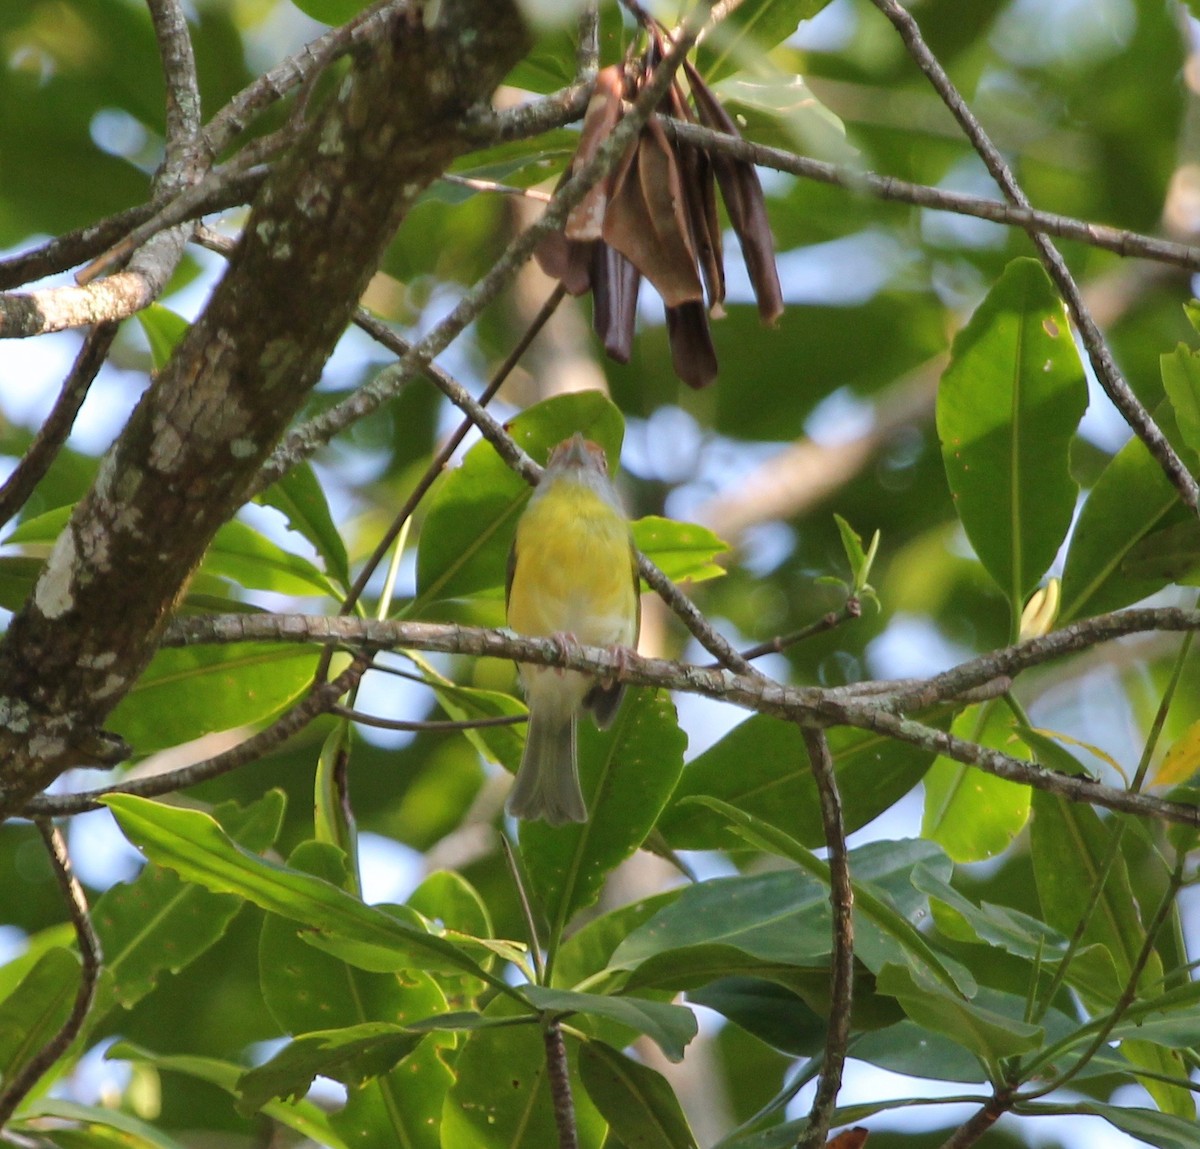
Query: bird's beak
x=575 y=452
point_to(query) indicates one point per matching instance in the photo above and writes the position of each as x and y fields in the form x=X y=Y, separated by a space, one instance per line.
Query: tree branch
x=1102 y=361
x=199 y=436
x=804 y=704
x=54 y=431
x=321 y=699
x=894 y=190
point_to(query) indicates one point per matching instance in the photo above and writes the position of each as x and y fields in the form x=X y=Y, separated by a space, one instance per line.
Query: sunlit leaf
x=1007 y=409
x=971 y=814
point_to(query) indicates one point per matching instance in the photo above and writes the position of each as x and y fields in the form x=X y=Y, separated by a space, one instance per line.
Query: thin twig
x=894 y=190
x=288 y=74
x=587 y=55
x=73 y=247
x=54 y=431
x=560 y=1084
x=318 y=701
x=810 y=705
x=1127 y=998
x=851 y=609
x=1107 y=372
x=179 y=73
x=841 y=964
x=17 y=1088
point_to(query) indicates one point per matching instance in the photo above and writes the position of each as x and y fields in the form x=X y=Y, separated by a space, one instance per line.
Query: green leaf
x=190 y=691
x=37 y=1009
x=331 y=11
x=353 y=1056
x=627 y=773
x=333 y=820
x=680 y=550
x=1131 y=499
x=192 y=844
x=250 y=559
x=300 y=497
x=761 y=767
x=473 y=509
x=1007 y=409
x=917 y=1051
x=637 y=1102
x=238 y=552
x=97 y=1125
x=502 y=744
x=160 y=923
x=303 y=1117
x=989 y=1034
x=772 y=1012
x=885 y=917
x=308 y=990
x=1169 y=555
x=1181 y=379
x=501 y=1097
x=1164 y=1130
x=164 y=329
x=751 y=31
x=970 y=814
x=670 y=1027
x=1069 y=844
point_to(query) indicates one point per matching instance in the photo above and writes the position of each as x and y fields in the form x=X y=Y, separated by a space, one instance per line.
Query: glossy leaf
x=627 y=773
x=193 y=845
x=1007 y=409
x=353 y=1056
x=303 y=1117
x=1163 y=1130
x=36 y=1010
x=670 y=1027
x=331 y=11
x=772 y=1012
x=98 y=1127
x=987 y=1032
x=309 y=991
x=636 y=1101
x=158 y=923
x=887 y=905
x=754 y=29
x=761 y=767
x=1130 y=499
x=1181 y=379
x=680 y=550
x=973 y=815
x=299 y=496
x=187 y=692
x=163 y=329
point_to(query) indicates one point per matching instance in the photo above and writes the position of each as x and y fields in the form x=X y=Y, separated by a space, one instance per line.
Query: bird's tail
x=547 y=784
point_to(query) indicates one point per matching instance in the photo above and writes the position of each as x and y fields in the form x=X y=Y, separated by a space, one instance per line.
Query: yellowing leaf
x=1182 y=760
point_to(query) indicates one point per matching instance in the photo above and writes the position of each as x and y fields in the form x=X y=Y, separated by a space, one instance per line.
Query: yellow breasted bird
x=572 y=575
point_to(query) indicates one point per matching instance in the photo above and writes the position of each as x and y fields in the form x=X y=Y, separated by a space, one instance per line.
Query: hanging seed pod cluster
x=655 y=216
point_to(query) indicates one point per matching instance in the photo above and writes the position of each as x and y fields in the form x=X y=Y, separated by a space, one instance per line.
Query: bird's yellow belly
x=573 y=573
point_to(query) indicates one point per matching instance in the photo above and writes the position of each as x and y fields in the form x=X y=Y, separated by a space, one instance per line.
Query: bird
x=572 y=575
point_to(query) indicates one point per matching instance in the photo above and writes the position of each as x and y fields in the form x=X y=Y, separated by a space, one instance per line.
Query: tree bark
x=183 y=464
